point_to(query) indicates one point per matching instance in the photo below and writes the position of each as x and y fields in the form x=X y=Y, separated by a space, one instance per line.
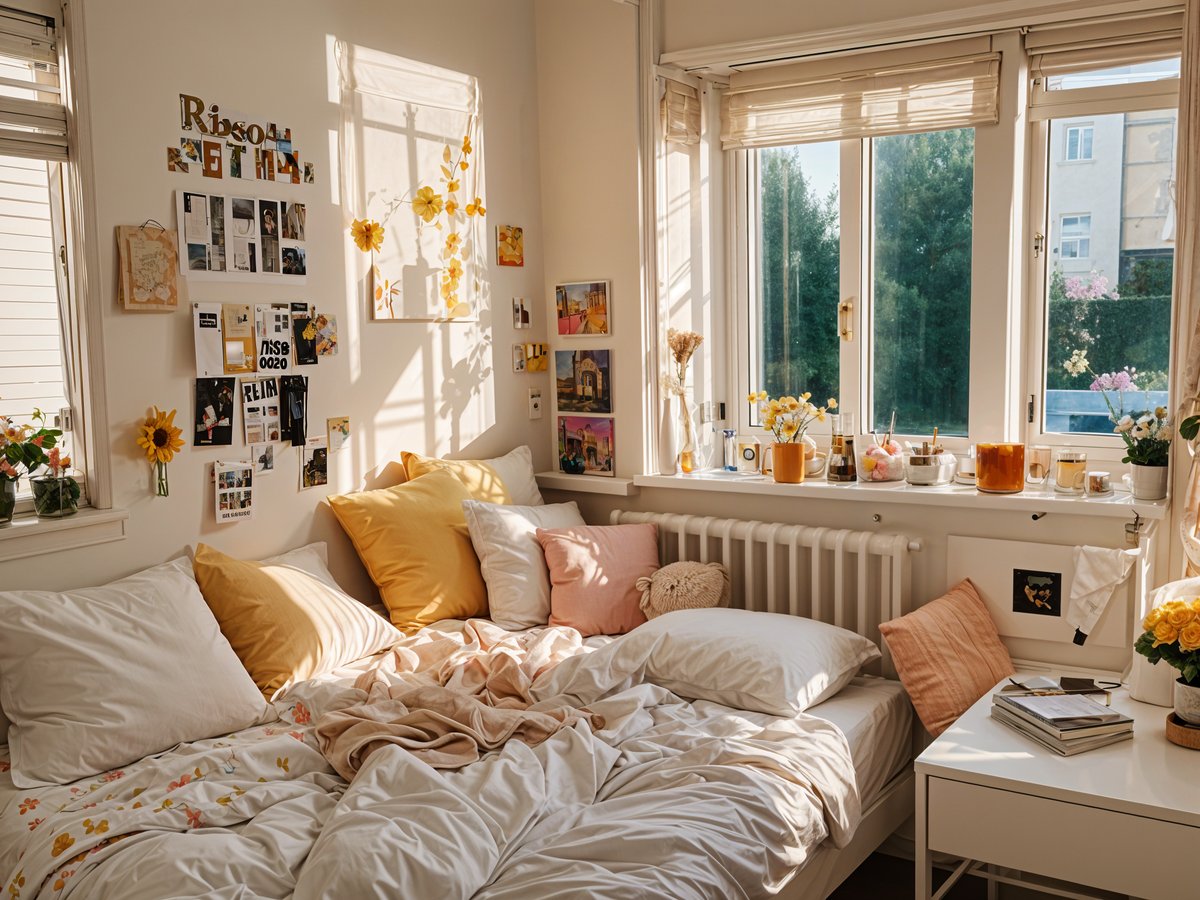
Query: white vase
x=666 y=437
x=1148 y=482
x=1187 y=702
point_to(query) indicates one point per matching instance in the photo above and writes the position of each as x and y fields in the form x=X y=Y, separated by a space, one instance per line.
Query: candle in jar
x=1000 y=468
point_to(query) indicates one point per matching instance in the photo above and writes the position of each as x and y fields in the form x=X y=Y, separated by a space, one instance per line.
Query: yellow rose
x=1196 y=605
x=1179 y=614
x=1189 y=638
x=1152 y=619
x=1164 y=634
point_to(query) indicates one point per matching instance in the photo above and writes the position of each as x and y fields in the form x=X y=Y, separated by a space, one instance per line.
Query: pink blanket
x=449 y=698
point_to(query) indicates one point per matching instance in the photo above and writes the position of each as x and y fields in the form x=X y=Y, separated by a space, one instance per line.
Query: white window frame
x=1063 y=238
x=1082 y=129
x=1066 y=104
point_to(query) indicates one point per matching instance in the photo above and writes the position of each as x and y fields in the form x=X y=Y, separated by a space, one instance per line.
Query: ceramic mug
x=1069 y=471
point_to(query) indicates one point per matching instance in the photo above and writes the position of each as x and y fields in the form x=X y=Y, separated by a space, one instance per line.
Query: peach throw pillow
x=947 y=654
x=593 y=575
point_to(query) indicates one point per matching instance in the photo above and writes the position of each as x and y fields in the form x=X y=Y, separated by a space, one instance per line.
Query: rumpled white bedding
x=670 y=799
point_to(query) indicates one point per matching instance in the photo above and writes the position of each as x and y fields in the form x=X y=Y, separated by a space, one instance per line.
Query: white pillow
x=761 y=662
x=511 y=559
x=99 y=677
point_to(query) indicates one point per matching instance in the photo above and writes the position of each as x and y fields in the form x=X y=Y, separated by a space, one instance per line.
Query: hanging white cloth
x=1098 y=573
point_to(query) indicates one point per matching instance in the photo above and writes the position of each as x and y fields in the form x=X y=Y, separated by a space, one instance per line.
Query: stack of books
x=1066 y=723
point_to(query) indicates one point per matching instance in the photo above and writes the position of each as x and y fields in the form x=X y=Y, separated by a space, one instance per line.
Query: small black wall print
x=1037 y=593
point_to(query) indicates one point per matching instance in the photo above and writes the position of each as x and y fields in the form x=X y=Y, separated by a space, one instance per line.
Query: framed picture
x=582 y=308
x=531 y=357
x=585 y=446
x=510 y=245
x=583 y=381
x=1037 y=593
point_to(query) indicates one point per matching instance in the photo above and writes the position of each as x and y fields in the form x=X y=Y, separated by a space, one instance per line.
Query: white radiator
x=852 y=579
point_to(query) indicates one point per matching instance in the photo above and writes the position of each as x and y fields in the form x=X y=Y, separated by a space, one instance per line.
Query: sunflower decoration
x=160 y=439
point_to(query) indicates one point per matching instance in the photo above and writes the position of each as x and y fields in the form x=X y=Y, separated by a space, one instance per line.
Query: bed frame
x=852 y=579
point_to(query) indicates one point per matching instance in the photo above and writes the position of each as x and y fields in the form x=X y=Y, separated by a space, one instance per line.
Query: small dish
x=965 y=478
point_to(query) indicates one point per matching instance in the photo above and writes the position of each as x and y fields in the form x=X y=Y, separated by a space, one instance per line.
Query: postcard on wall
x=304 y=334
x=521 y=317
x=243 y=240
x=274 y=327
x=510 y=245
x=338 y=430
x=531 y=357
x=583 y=381
x=237 y=339
x=235 y=490
x=148 y=258
x=586 y=446
x=263 y=457
x=327 y=337
x=214 y=412
x=314 y=469
x=206 y=324
x=582 y=307
x=260 y=410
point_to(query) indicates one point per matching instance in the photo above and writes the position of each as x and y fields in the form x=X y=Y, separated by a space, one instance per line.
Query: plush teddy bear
x=684 y=585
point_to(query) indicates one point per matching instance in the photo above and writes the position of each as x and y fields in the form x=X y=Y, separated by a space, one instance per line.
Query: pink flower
x=194 y=818
x=301 y=715
x=6 y=469
x=113 y=776
x=175 y=785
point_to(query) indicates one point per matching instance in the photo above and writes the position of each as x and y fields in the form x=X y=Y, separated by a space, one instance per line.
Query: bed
x=654 y=796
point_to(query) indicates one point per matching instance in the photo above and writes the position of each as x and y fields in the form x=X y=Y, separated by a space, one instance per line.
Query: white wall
x=403 y=386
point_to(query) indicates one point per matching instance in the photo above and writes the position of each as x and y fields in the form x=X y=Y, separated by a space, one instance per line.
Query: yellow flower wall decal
x=427 y=204
x=367 y=234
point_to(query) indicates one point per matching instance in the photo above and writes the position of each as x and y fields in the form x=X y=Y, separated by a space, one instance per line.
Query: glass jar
x=1000 y=468
x=842 y=466
x=729 y=449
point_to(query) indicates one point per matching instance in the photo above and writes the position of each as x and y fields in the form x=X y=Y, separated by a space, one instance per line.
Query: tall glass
x=1037 y=464
x=1069 y=471
x=842 y=466
x=1000 y=468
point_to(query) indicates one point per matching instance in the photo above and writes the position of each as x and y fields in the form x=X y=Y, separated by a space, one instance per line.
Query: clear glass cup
x=842 y=467
x=1037 y=464
x=1070 y=471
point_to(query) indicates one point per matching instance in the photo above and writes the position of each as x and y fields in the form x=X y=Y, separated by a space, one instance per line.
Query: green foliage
x=1149 y=277
x=1133 y=331
x=1186 y=661
x=25 y=447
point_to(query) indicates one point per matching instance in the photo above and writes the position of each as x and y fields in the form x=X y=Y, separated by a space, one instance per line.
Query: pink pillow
x=593 y=575
x=947 y=654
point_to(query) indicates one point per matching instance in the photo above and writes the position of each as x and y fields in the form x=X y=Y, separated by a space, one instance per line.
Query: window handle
x=1039 y=244
x=846 y=319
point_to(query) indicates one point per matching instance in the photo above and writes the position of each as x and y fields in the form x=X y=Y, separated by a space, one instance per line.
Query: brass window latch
x=846 y=319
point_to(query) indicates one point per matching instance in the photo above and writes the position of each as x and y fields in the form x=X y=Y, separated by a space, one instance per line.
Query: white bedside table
x=1124 y=818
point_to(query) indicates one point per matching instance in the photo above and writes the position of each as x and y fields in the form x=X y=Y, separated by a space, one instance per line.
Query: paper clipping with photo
x=234 y=490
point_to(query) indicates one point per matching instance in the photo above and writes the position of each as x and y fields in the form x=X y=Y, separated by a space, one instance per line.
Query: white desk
x=1124 y=818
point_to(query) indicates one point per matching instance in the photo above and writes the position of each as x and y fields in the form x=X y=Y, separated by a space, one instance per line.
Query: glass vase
x=162 y=487
x=8 y=500
x=686 y=459
x=55 y=496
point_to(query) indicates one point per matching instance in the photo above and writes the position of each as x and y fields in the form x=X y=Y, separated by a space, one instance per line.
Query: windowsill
x=31 y=536
x=587 y=484
x=1040 y=499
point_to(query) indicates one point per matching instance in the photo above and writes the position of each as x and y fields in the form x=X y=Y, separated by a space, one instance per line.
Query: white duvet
x=671 y=799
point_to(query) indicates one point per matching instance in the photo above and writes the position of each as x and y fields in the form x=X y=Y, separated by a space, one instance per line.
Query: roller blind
x=1102 y=44
x=33 y=119
x=931 y=88
x=680 y=110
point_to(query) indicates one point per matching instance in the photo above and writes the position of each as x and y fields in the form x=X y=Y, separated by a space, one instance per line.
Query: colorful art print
x=338 y=432
x=1037 y=593
x=327 y=339
x=521 y=316
x=530 y=357
x=582 y=307
x=314 y=469
x=263 y=458
x=510 y=245
x=583 y=381
x=214 y=412
x=147 y=257
x=586 y=446
x=304 y=334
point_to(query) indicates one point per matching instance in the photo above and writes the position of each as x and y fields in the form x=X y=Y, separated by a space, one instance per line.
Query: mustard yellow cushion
x=505 y=479
x=413 y=540
x=285 y=617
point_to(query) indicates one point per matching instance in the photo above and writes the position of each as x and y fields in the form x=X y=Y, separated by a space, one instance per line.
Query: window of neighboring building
x=1075 y=237
x=1078 y=144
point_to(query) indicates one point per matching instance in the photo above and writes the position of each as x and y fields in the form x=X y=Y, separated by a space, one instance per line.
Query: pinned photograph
x=338 y=431
x=583 y=381
x=510 y=245
x=314 y=469
x=243 y=216
x=235 y=159
x=1037 y=593
x=585 y=446
x=531 y=357
x=263 y=458
x=268 y=218
x=304 y=334
x=175 y=160
x=582 y=307
x=234 y=490
x=293 y=261
x=197 y=255
x=214 y=412
x=190 y=149
x=327 y=339
x=310 y=174
x=260 y=410
x=521 y=317
x=293 y=221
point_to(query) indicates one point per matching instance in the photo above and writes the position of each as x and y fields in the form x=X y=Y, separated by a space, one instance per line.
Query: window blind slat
x=680 y=111
x=1103 y=43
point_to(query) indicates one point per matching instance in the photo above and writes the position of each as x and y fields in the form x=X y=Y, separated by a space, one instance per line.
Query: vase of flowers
x=788 y=419
x=24 y=449
x=55 y=494
x=8 y=499
x=682 y=344
x=1146 y=433
x=159 y=437
x=1171 y=634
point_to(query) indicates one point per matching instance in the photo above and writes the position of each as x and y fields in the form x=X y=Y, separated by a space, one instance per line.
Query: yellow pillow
x=504 y=479
x=285 y=617
x=413 y=540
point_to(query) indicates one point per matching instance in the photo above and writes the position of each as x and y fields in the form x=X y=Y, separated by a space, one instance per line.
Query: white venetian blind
x=33 y=119
x=31 y=355
x=680 y=110
x=1104 y=43
x=931 y=87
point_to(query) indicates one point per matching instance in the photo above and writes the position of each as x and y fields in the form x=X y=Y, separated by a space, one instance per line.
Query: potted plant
x=788 y=418
x=56 y=493
x=1147 y=433
x=1171 y=633
x=23 y=450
